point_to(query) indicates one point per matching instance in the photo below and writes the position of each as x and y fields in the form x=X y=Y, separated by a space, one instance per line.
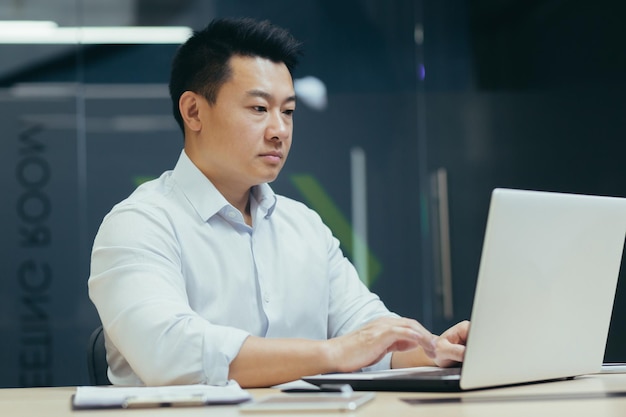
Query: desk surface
x=593 y=395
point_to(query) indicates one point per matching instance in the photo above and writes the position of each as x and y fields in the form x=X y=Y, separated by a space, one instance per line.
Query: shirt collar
x=205 y=198
x=265 y=197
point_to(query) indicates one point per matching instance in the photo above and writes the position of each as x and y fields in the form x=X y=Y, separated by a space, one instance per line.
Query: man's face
x=246 y=134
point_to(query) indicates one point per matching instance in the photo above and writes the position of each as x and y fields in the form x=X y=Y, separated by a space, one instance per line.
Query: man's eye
x=289 y=112
x=259 y=108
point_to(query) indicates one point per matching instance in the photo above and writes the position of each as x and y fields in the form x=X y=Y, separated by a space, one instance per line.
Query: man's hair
x=201 y=64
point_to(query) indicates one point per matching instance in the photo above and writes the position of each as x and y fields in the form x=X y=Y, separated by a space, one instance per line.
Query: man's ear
x=189 y=106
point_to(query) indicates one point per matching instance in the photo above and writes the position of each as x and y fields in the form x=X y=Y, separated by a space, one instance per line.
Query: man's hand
x=445 y=350
x=263 y=362
x=449 y=348
x=369 y=344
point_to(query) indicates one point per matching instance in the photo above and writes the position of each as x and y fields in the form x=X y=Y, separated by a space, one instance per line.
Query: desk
x=55 y=402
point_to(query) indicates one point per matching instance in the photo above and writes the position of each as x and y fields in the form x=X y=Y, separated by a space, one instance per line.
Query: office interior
x=410 y=112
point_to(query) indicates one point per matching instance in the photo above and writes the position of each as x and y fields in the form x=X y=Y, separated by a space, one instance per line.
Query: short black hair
x=201 y=64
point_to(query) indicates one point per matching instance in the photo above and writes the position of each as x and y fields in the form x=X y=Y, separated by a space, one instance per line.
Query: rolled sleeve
x=218 y=356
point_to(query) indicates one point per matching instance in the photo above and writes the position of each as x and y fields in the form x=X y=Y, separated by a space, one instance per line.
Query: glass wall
x=86 y=117
x=523 y=95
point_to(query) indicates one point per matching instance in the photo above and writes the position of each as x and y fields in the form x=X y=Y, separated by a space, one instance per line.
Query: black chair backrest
x=97 y=359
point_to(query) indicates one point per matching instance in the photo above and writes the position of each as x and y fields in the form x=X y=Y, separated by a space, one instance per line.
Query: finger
x=403 y=326
x=454 y=352
x=449 y=353
x=407 y=335
x=425 y=335
x=457 y=333
x=400 y=334
x=428 y=345
x=425 y=339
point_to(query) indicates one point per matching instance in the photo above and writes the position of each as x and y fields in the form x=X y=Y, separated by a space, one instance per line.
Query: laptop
x=544 y=295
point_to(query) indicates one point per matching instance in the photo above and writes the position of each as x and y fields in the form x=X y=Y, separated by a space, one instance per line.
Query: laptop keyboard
x=443 y=372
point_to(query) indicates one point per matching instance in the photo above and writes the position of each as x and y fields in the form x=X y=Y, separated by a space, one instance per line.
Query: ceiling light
x=47 y=32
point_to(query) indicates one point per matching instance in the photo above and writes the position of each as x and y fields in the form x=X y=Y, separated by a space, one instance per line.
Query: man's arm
x=263 y=362
x=154 y=337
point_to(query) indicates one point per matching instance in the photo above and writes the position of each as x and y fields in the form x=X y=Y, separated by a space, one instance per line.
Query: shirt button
x=266 y=297
x=232 y=214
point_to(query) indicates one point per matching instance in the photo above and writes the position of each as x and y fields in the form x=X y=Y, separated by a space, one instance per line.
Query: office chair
x=97 y=359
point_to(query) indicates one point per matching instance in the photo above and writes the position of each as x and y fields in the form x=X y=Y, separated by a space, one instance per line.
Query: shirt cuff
x=221 y=346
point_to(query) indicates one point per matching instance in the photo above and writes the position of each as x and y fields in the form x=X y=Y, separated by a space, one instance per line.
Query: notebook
x=544 y=295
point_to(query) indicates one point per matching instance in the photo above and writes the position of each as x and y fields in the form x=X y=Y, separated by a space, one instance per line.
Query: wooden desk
x=563 y=398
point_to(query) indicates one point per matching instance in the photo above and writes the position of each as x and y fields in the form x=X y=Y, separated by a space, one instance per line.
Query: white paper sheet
x=114 y=396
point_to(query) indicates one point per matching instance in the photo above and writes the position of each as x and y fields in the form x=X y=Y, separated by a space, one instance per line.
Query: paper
x=175 y=395
x=297 y=384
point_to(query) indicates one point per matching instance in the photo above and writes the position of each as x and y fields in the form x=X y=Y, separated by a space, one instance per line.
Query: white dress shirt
x=180 y=280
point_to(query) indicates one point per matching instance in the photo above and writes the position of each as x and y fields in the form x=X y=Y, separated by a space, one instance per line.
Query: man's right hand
x=368 y=345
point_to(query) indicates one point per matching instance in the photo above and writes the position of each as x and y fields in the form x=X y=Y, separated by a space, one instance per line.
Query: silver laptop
x=544 y=295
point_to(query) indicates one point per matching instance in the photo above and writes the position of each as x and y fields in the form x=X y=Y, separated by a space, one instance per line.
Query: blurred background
x=410 y=112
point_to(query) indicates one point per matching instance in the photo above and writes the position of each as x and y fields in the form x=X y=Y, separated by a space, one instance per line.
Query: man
x=205 y=275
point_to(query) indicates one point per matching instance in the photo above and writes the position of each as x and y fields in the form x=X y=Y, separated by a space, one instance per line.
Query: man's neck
x=241 y=201
x=235 y=193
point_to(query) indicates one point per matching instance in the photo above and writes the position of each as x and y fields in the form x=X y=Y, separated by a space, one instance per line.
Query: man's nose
x=278 y=128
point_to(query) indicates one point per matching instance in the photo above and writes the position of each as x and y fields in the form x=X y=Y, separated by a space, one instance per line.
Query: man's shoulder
x=145 y=220
x=153 y=196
